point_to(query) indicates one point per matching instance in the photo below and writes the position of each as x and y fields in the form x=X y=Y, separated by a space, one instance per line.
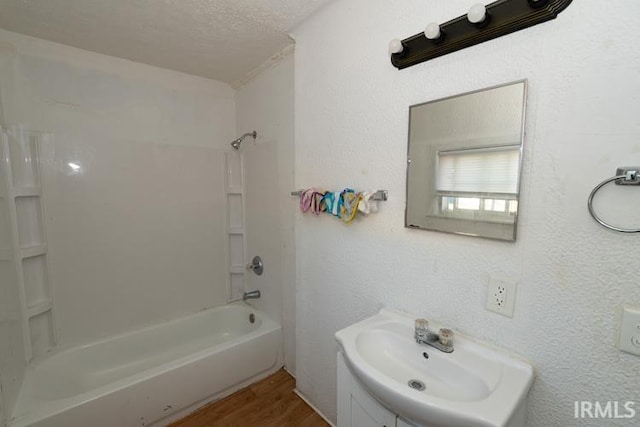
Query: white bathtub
x=150 y=376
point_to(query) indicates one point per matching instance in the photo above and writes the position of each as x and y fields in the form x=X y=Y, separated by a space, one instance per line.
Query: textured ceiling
x=218 y=39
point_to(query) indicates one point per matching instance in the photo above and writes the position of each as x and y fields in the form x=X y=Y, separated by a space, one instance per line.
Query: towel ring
x=624 y=176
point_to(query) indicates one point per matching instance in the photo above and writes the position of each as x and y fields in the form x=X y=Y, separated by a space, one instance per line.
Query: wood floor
x=268 y=403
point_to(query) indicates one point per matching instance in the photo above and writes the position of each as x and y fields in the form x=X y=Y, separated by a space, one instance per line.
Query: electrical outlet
x=501 y=295
x=629 y=338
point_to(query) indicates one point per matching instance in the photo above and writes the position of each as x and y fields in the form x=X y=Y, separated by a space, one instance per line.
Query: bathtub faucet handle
x=256 y=265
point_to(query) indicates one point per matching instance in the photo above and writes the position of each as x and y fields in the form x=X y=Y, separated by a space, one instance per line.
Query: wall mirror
x=464 y=162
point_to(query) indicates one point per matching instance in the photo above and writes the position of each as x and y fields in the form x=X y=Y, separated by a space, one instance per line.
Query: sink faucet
x=443 y=340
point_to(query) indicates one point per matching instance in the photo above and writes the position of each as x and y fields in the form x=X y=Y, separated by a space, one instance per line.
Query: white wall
x=582 y=122
x=265 y=104
x=137 y=235
x=65 y=90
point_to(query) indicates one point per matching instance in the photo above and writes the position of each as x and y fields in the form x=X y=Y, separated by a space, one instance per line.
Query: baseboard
x=289 y=372
x=302 y=396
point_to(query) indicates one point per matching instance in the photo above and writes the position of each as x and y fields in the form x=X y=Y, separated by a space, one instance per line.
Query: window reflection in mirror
x=465 y=155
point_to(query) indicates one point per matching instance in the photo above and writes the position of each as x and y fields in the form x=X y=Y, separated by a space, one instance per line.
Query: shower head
x=236 y=142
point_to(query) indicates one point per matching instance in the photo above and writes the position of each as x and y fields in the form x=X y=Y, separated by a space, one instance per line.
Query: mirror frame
x=494 y=236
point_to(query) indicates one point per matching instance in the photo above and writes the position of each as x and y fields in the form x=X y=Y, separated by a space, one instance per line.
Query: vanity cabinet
x=357 y=408
x=383 y=372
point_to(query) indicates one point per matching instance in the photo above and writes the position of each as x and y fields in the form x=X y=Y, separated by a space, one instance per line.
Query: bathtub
x=151 y=376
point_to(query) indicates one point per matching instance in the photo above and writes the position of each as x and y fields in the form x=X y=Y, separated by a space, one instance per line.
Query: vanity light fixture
x=478 y=14
x=538 y=3
x=433 y=31
x=481 y=24
x=395 y=46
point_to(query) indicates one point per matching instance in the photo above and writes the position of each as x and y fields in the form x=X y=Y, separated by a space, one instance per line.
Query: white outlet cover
x=629 y=338
x=501 y=295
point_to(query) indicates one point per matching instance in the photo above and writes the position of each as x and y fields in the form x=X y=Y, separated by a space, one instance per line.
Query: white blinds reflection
x=486 y=170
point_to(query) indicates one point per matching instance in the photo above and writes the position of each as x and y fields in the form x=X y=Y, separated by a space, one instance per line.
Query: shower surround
x=135 y=214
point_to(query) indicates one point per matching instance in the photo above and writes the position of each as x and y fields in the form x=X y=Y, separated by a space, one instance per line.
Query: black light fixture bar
x=502 y=17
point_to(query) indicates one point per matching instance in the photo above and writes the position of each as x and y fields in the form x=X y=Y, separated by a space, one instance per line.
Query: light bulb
x=395 y=46
x=477 y=13
x=432 y=32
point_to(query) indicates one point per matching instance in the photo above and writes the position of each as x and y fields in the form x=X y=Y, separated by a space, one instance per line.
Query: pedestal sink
x=476 y=385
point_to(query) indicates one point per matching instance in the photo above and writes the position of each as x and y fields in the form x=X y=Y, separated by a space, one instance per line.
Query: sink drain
x=417 y=384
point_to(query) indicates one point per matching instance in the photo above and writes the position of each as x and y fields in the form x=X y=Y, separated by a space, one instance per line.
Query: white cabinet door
x=360 y=417
x=366 y=412
x=356 y=408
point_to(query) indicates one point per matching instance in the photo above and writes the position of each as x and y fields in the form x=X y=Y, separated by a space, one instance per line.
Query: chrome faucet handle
x=445 y=336
x=421 y=331
x=421 y=324
x=256 y=265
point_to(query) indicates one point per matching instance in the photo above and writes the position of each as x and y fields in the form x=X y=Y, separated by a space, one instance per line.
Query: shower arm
x=254 y=134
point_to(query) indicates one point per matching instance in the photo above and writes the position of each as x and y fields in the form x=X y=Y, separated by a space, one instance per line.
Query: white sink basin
x=476 y=385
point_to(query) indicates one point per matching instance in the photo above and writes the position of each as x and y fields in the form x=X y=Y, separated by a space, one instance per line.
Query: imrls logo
x=610 y=409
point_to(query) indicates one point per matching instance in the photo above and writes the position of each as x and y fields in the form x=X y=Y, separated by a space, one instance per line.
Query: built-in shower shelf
x=32 y=251
x=234 y=190
x=26 y=191
x=39 y=308
x=22 y=209
x=236 y=269
x=236 y=242
x=6 y=254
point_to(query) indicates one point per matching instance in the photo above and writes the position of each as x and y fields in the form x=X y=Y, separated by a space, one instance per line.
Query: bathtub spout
x=247 y=295
x=251 y=295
